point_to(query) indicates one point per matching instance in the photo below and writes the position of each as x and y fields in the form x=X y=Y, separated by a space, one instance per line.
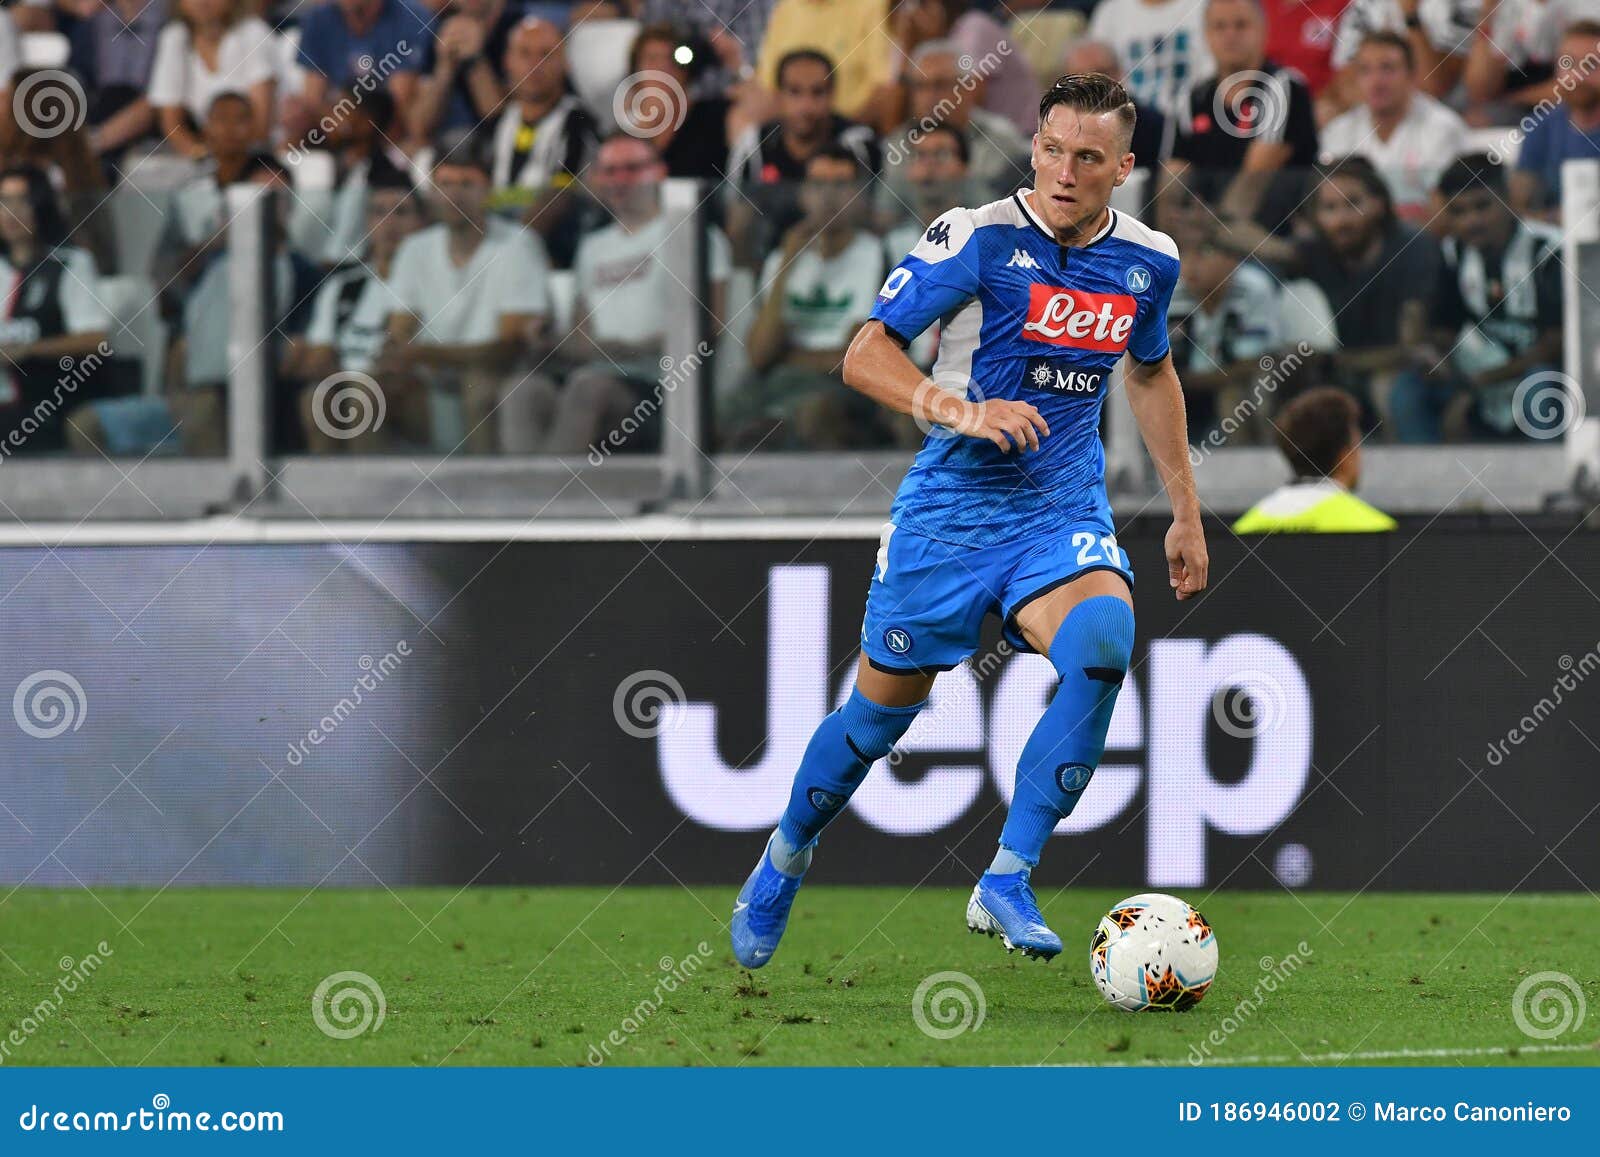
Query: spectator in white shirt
x=1161 y=44
x=1407 y=135
x=211 y=46
x=475 y=303
x=622 y=290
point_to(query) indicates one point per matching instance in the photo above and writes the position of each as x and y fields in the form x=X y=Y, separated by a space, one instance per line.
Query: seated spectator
x=936 y=174
x=1009 y=89
x=363 y=144
x=36 y=131
x=816 y=291
x=1249 y=121
x=1161 y=44
x=1407 y=135
x=545 y=136
x=474 y=300
x=192 y=416
x=1377 y=273
x=211 y=46
x=1152 y=130
x=1439 y=32
x=350 y=320
x=853 y=33
x=941 y=93
x=1567 y=131
x=52 y=314
x=1301 y=35
x=199 y=210
x=468 y=82
x=374 y=42
x=1240 y=338
x=114 y=51
x=692 y=135
x=1497 y=316
x=1320 y=435
x=769 y=162
x=622 y=290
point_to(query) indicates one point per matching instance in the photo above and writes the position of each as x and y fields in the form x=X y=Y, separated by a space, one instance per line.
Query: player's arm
x=1156 y=398
x=877 y=366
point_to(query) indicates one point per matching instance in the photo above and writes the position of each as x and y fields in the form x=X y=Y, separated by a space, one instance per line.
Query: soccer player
x=1004 y=510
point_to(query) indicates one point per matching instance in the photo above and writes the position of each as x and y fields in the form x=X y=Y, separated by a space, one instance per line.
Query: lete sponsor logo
x=1079 y=319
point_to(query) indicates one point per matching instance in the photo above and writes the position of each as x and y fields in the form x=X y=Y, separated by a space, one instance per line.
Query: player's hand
x=1005 y=423
x=1188 y=565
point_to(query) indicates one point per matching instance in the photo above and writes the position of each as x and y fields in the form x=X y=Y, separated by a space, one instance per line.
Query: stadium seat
x=597 y=62
x=45 y=50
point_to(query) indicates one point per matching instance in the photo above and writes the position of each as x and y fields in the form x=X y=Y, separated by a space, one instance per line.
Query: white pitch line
x=1375 y=1055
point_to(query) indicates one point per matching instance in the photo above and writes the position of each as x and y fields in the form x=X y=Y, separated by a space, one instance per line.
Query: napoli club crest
x=897 y=640
x=1137 y=279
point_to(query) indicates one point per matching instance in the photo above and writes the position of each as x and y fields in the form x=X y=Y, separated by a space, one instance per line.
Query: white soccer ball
x=1153 y=952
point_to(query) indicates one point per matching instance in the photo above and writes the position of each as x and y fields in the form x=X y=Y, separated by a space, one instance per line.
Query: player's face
x=1078 y=158
x=1236 y=34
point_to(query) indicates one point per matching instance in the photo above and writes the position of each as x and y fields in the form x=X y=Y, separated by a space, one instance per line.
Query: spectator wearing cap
x=1319 y=435
x=473 y=306
x=211 y=46
x=1407 y=135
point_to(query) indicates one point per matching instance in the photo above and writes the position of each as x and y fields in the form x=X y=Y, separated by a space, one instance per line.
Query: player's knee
x=1095 y=639
x=871 y=729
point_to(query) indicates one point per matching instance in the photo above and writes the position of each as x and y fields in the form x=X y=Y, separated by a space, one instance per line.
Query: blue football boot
x=761 y=912
x=1004 y=905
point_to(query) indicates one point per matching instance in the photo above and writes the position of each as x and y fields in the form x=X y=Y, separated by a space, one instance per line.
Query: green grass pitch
x=557 y=976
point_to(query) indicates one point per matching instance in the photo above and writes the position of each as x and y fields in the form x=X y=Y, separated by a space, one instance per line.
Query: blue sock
x=1090 y=653
x=842 y=748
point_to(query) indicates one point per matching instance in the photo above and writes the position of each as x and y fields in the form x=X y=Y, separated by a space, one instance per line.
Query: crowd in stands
x=1365 y=194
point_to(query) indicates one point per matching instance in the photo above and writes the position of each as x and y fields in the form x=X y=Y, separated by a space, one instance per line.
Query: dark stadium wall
x=1336 y=713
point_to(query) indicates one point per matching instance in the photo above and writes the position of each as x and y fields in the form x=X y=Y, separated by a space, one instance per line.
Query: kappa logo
x=939 y=234
x=1079 y=319
x=1022 y=259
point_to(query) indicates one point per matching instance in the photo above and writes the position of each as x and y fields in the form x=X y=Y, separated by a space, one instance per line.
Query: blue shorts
x=928 y=599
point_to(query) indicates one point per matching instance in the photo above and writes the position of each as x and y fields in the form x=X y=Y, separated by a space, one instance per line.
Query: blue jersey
x=1026 y=319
